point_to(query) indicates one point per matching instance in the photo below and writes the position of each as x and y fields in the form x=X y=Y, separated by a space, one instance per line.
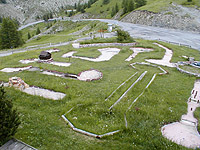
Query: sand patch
x=15 y=69
x=90 y=75
x=106 y=54
x=136 y=51
x=165 y=61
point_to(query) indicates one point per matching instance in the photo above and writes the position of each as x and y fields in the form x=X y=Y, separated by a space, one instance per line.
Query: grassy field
x=163 y=102
x=42 y=126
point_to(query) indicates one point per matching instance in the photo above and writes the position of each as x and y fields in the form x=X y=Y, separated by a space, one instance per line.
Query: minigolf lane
x=185 y=132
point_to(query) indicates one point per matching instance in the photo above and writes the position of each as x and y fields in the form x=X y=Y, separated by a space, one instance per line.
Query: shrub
x=9 y=120
x=123 y=36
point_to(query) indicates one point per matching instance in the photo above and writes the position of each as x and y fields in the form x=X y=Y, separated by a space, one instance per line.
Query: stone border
x=139 y=78
x=106 y=44
x=88 y=133
x=187 y=72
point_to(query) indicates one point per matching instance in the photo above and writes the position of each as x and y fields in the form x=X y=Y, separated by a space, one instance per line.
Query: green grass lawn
x=43 y=128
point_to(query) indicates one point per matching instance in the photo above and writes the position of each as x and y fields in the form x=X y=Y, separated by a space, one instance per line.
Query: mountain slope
x=27 y=10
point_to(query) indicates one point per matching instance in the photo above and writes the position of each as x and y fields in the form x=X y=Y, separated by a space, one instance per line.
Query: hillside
x=27 y=10
x=180 y=14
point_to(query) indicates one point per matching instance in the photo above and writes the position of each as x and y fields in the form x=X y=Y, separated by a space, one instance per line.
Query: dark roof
x=14 y=144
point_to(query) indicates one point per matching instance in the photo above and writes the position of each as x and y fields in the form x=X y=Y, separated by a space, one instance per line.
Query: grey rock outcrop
x=165 y=20
x=27 y=10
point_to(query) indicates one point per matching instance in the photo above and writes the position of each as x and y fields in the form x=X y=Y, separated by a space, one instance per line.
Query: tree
x=116 y=8
x=38 y=31
x=88 y=4
x=140 y=3
x=113 y=12
x=106 y=2
x=9 y=36
x=9 y=120
x=130 y=6
x=29 y=36
x=123 y=36
x=3 y=1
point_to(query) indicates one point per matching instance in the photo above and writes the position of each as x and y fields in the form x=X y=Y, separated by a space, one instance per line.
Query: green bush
x=123 y=36
x=9 y=120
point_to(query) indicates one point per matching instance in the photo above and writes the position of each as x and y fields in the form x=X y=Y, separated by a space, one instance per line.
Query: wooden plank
x=4 y=147
x=18 y=146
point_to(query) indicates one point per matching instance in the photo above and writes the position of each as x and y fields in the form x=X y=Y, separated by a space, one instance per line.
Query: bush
x=123 y=36
x=9 y=120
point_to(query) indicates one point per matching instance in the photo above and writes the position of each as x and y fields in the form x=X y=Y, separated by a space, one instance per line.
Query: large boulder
x=44 y=55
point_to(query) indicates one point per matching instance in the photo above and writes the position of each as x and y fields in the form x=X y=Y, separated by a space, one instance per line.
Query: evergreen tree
x=38 y=31
x=3 y=1
x=116 y=8
x=51 y=15
x=130 y=6
x=140 y=3
x=9 y=120
x=106 y=2
x=29 y=36
x=78 y=7
x=9 y=36
x=125 y=10
x=123 y=3
x=88 y=4
x=113 y=12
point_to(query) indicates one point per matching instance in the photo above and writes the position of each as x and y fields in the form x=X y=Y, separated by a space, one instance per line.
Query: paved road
x=155 y=33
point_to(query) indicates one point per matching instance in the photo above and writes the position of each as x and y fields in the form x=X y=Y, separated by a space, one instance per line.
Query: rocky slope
x=176 y=17
x=27 y=10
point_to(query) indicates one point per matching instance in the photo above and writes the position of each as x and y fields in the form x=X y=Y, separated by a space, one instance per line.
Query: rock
x=18 y=83
x=44 y=55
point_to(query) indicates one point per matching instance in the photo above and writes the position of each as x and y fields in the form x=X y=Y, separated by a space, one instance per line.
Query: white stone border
x=86 y=132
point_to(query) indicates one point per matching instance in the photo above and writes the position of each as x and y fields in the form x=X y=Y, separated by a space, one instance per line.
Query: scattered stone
x=18 y=83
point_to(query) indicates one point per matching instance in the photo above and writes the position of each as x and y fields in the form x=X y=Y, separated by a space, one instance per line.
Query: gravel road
x=156 y=33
